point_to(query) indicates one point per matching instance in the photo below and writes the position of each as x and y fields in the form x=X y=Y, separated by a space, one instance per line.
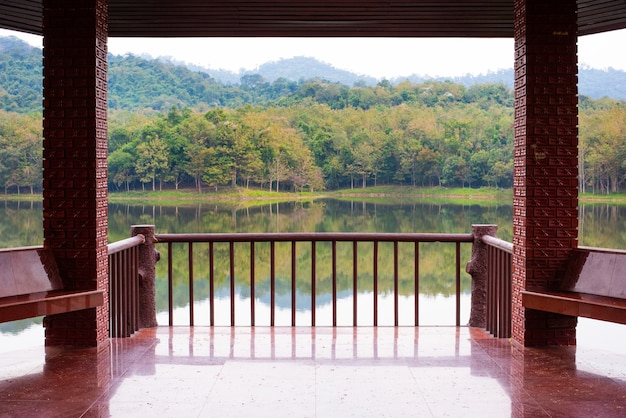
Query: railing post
x=477 y=268
x=148 y=257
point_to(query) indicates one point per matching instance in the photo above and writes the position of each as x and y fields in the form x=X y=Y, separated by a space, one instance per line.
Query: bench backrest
x=28 y=270
x=596 y=272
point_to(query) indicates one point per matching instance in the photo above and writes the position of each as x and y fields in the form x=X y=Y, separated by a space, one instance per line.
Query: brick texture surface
x=75 y=166
x=545 y=202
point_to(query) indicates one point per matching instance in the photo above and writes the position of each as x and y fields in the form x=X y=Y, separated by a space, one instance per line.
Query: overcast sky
x=377 y=57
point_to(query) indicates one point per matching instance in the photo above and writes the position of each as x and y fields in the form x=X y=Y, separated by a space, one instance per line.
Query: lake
x=600 y=225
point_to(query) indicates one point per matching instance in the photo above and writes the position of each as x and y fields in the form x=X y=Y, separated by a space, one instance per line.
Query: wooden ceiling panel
x=393 y=18
x=310 y=18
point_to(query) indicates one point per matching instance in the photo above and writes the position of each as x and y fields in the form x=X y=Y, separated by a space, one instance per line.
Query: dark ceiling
x=354 y=18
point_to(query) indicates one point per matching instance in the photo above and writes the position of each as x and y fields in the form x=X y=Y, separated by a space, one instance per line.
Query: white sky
x=377 y=57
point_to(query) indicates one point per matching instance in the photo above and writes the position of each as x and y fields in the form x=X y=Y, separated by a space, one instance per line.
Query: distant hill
x=602 y=83
x=141 y=82
x=592 y=82
x=21 y=85
x=306 y=68
x=293 y=69
x=501 y=76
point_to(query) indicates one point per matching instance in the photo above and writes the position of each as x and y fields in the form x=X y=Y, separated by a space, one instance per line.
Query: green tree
x=152 y=160
x=122 y=168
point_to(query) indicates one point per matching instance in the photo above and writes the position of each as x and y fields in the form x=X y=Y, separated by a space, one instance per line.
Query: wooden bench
x=30 y=286
x=593 y=286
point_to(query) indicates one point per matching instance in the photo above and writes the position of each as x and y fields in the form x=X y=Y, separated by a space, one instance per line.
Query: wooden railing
x=312 y=239
x=499 y=262
x=124 y=286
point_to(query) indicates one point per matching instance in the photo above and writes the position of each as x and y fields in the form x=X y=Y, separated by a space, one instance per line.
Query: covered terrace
x=423 y=371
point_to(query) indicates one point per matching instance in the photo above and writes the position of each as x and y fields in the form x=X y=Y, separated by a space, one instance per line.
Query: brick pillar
x=75 y=160
x=545 y=201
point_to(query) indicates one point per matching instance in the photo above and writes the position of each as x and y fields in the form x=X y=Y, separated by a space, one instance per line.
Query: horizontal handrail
x=30 y=247
x=248 y=252
x=601 y=250
x=315 y=237
x=118 y=246
x=498 y=243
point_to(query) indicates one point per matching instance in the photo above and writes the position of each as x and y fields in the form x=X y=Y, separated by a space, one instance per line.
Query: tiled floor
x=306 y=372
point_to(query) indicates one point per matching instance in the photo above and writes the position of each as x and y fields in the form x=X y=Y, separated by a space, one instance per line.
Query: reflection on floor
x=312 y=372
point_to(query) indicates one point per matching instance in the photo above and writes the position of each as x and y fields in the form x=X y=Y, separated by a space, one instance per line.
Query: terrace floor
x=312 y=372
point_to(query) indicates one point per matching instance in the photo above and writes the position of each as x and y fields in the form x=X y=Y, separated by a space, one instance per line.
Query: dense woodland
x=170 y=127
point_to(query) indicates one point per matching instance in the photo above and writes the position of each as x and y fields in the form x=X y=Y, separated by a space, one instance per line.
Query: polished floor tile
x=312 y=372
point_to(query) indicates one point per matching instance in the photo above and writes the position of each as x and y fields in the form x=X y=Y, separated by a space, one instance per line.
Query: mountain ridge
x=137 y=82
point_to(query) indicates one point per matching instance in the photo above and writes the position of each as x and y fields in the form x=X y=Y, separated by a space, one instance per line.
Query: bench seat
x=30 y=286
x=604 y=308
x=593 y=286
x=52 y=302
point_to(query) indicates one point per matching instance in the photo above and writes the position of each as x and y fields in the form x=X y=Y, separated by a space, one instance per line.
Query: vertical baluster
x=416 y=282
x=135 y=278
x=120 y=298
x=488 y=290
x=334 y=280
x=252 y=296
x=125 y=296
x=191 y=298
x=375 y=275
x=170 y=287
x=111 y=293
x=128 y=273
x=497 y=297
x=508 y=296
x=211 y=284
x=355 y=292
x=293 y=283
x=396 y=286
x=489 y=307
x=501 y=295
x=313 y=284
x=113 y=296
x=458 y=284
x=272 y=282
x=231 y=250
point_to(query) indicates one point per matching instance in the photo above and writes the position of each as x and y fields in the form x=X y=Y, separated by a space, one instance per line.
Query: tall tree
x=152 y=160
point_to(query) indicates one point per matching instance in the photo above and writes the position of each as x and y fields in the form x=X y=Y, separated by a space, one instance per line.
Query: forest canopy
x=170 y=127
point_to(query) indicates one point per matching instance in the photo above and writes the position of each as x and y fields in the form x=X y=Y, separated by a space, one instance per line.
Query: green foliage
x=181 y=128
x=20 y=152
x=20 y=76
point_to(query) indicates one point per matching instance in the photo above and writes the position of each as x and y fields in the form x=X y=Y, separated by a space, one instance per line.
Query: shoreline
x=251 y=196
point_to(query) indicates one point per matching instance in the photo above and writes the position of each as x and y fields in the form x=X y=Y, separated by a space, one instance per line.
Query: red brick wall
x=75 y=160
x=545 y=202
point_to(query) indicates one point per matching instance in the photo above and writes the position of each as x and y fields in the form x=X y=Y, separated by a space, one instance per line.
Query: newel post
x=148 y=257
x=477 y=268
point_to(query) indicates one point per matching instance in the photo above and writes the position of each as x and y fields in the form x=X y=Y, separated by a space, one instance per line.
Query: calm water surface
x=599 y=225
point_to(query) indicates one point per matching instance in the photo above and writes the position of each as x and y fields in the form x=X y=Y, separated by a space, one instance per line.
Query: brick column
x=545 y=201
x=75 y=160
